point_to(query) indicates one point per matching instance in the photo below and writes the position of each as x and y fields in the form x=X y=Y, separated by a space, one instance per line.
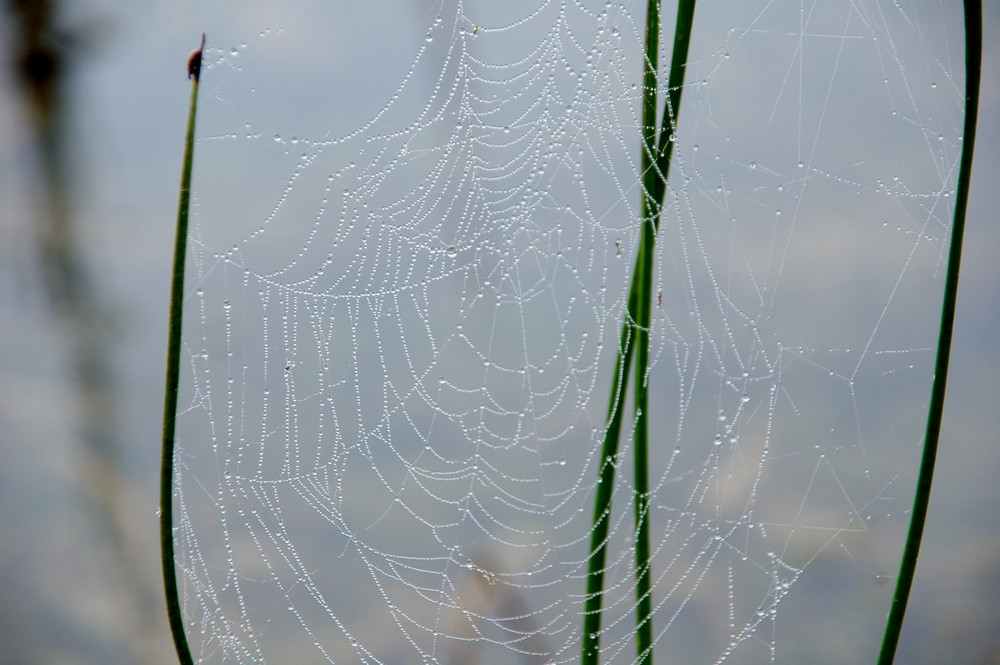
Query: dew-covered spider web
x=415 y=225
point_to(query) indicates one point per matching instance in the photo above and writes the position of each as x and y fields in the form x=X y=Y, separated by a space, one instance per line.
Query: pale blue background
x=63 y=601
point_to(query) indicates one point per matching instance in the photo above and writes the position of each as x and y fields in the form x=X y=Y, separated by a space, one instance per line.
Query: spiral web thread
x=400 y=336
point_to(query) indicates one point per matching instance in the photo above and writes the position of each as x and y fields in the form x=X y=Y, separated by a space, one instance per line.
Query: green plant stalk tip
x=911 y=550
x=657 y=149
x=167 y=557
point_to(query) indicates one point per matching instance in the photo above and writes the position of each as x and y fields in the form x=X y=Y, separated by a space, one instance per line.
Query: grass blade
x=167 y=558
x=908 y=565
x=657 y=149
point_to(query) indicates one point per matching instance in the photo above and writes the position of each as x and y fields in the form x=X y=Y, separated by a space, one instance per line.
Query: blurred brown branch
x=42 y=57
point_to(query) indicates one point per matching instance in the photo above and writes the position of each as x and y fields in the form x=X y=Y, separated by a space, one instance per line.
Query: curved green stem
x=657 y=150
x=167 y=558
x=908 y=565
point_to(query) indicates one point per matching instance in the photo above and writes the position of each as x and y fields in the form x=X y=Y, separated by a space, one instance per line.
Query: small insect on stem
x=659 y=299
x=194 y=60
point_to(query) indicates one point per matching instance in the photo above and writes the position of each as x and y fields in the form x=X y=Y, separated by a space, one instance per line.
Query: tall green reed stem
x=921 y=499
x=657 y=150
x=167 y=559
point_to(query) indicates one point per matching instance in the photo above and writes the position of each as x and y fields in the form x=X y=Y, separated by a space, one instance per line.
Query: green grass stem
x=657 y=149
x=167 y=558
x=911 y=550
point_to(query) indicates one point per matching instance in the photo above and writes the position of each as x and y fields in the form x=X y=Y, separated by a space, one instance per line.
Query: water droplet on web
x=451 y=251
x=428 y=37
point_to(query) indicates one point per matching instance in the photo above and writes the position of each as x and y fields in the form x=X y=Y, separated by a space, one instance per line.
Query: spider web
x=414 y=234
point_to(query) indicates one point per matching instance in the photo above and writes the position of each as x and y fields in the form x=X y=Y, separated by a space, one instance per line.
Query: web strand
x=402 y=329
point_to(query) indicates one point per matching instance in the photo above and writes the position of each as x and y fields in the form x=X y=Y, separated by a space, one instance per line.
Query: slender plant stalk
x=640 y=315
x=657 y=149
x=173 y=373
x=908 y=565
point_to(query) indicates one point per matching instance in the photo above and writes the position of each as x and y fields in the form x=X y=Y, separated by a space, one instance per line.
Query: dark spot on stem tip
x=194 y=61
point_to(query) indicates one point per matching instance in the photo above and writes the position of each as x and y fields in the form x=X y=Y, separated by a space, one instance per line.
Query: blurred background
x=93 y=99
